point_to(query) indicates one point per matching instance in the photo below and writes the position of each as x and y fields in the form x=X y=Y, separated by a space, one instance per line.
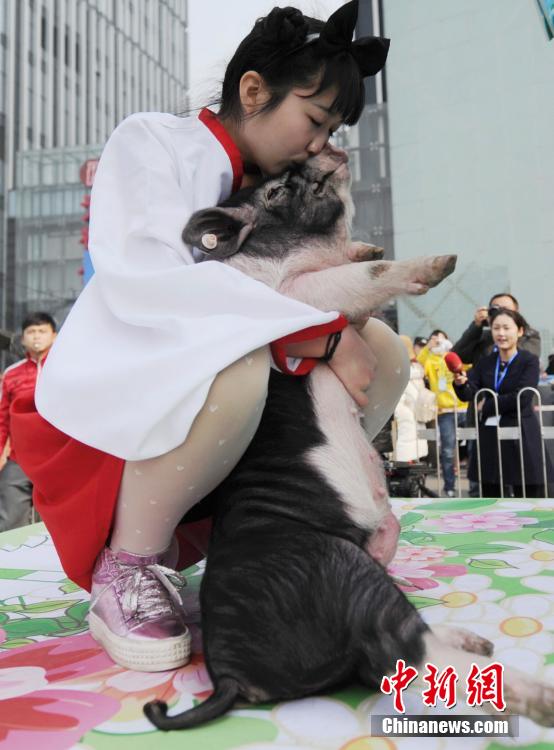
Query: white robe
x=135 y=359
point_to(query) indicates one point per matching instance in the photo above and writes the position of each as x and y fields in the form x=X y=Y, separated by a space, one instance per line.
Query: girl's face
x=505 y=332
x=298 y=128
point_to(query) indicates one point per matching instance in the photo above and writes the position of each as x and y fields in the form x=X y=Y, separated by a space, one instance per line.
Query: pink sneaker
x=136 y=611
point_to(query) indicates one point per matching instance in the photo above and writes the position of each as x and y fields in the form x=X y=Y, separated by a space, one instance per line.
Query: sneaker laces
x=148 y=591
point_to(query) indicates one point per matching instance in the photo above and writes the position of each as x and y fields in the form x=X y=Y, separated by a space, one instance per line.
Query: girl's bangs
x=343 y=72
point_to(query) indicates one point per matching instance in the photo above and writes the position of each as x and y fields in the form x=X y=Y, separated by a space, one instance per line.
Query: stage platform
x=487 y=565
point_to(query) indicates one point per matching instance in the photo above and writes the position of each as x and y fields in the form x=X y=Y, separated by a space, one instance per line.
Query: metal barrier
x=502 y=433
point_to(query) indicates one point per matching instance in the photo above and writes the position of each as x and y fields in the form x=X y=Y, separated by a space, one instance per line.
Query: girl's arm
x=466 y=386
x=353 y=361
x=354 y=364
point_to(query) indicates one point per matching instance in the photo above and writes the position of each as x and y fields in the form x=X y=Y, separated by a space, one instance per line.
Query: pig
x=295 y=597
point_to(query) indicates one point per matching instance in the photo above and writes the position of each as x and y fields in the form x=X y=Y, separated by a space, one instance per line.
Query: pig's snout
x=338 y=155
x=330 y=160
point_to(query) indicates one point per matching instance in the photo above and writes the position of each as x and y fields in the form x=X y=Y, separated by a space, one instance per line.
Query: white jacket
x=135 y=359
x=408 y=447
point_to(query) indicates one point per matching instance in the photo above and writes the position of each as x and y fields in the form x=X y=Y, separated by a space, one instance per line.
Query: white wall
x=471 y=104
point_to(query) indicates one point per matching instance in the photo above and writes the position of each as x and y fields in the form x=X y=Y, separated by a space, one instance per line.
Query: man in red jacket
x=39 y=332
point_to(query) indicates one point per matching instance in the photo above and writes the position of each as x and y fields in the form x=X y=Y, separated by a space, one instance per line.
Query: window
x=43 y=30
x=77 y=52
x=66 y=45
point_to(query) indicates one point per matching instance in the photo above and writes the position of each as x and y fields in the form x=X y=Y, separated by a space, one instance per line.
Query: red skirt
x=75 y=490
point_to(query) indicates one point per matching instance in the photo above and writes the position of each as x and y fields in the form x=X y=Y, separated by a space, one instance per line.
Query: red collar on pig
x=210 y=120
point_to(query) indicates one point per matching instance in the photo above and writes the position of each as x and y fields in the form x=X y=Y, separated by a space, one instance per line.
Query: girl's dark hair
x=276 y=49
x=518 y=319
x=436 y=332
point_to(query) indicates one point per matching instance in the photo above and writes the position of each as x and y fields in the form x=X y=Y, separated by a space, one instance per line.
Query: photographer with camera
x=476 y=341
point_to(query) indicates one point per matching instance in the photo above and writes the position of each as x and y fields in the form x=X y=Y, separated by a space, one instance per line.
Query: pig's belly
x=384 y=540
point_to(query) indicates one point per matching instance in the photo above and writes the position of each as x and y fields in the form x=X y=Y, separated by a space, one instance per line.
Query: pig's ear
x=219 y=232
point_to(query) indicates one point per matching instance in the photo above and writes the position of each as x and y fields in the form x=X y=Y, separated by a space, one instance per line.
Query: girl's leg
x=135 y=607
x=447 y=431
x=157 y=492
x=391 y=377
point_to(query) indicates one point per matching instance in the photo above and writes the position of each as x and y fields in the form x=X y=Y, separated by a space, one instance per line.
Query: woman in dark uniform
x=506 y=370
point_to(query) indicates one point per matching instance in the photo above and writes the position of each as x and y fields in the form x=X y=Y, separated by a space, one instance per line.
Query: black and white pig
x=292 y=603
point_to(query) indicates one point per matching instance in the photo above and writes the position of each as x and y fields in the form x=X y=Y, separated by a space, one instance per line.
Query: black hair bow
x=370 y=52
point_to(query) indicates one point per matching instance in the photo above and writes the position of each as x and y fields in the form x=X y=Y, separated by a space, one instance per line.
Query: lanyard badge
x=499 y=376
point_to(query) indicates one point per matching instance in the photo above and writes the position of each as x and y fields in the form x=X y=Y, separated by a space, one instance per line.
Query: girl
x=158 y=379
x=506 y=371
x=451 y=411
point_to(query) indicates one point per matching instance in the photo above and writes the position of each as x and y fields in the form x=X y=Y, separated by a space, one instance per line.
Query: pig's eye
x=275 y=192
x=317 y=187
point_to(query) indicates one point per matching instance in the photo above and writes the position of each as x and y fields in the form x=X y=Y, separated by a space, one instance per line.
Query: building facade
x=70 y=70
x=367 y=144
x=472 y=165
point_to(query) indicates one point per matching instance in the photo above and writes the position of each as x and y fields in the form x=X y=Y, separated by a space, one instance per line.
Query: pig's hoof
x=443 y=265
x=534 y=700
x=361 y=251
x=475 y=644
x=450 y=264
x=464 y=639
x=374 y=252
x=543 y=711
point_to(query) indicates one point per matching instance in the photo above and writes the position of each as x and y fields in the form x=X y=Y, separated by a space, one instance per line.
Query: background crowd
x=499 y=350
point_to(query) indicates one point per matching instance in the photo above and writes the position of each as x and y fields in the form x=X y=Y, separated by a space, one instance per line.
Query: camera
x=407 y=479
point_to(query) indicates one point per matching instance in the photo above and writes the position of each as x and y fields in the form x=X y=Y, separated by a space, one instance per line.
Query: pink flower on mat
x=194 y=680
x=52 y=719
x=36 y=710
x=47 y=687
x=491 y=521
x=61 y=658
x=3 y=635
x=418 y=566
x=408 y=553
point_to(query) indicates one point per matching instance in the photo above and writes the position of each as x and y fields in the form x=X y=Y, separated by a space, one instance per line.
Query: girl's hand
x=354 y=364
x=460 y=378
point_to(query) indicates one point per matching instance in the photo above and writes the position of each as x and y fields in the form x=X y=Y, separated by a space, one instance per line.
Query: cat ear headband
x=369 y=52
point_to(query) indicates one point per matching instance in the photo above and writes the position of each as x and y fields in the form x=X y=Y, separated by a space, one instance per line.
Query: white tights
x=157 y=492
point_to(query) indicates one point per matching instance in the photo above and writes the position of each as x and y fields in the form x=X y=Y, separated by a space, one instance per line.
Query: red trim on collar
x=278 y=347
x=218 y=130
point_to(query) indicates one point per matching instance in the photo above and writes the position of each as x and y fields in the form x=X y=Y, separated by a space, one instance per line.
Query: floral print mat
x=487 y=565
